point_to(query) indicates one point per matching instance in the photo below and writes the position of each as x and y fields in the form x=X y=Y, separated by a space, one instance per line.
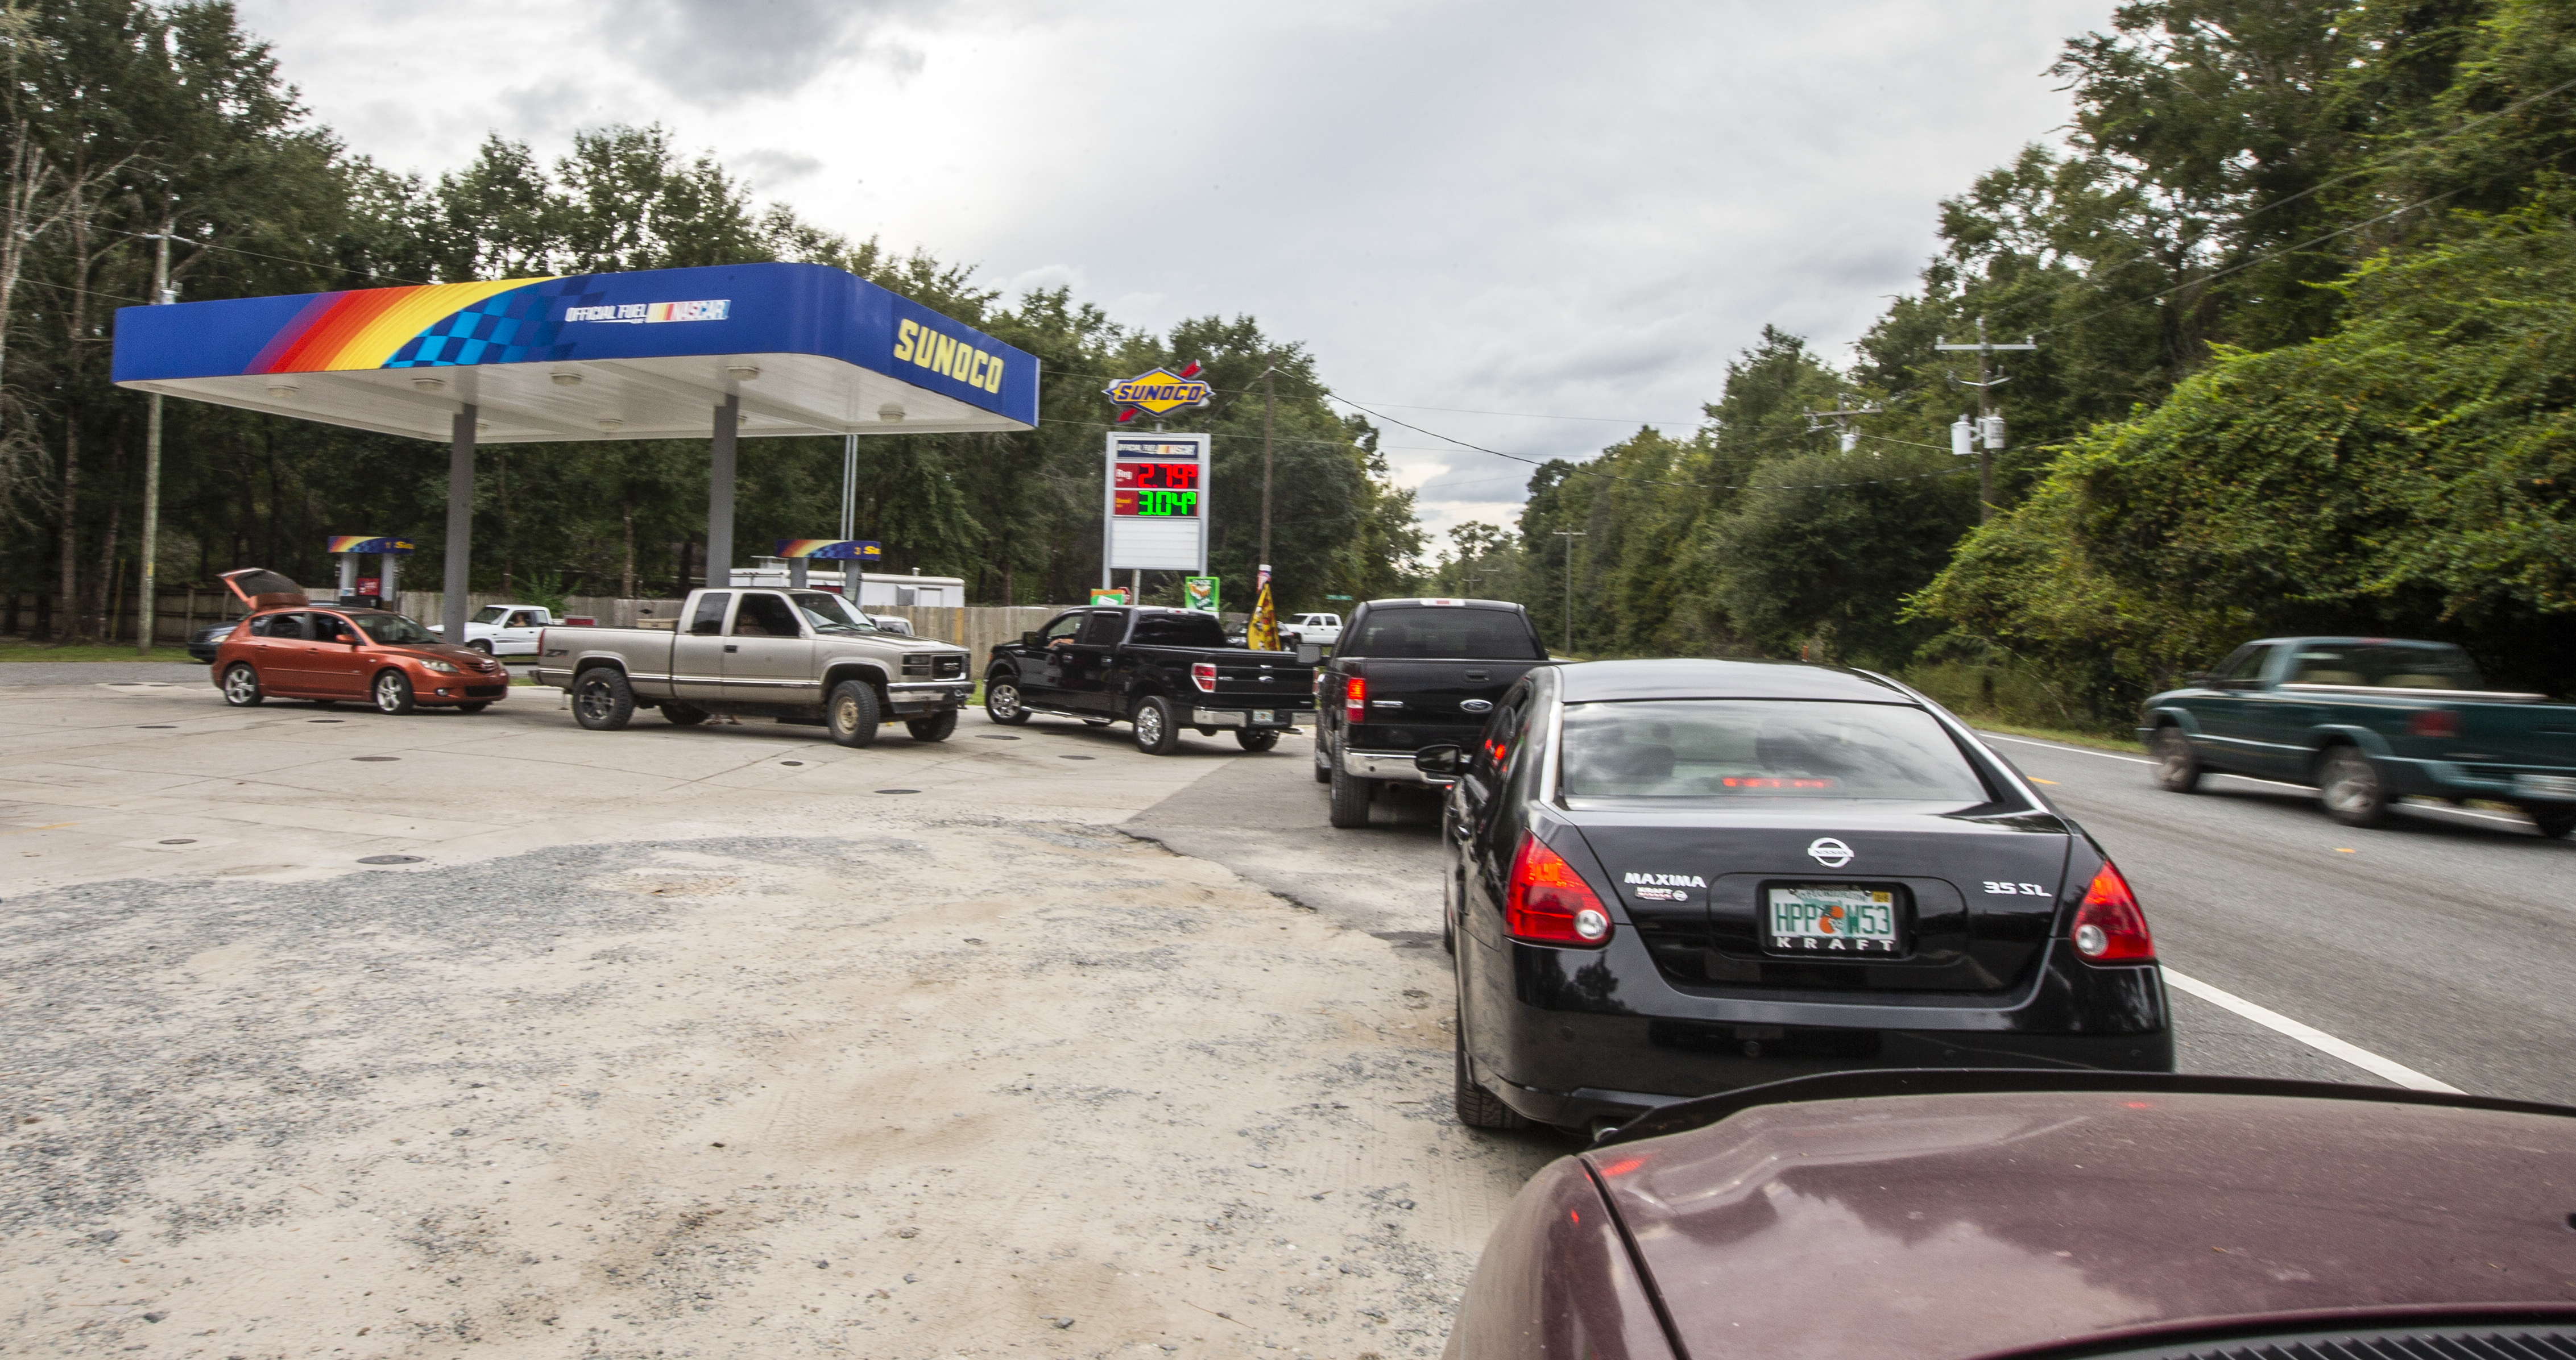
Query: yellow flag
x=1263 y=634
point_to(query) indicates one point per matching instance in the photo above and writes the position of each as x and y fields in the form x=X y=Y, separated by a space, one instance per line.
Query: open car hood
x=260 y=588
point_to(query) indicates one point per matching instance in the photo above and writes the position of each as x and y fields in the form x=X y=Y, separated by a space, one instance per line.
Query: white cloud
x=1506 y=206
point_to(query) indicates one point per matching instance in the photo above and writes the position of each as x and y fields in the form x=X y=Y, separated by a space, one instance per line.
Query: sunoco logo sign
x=1160 y=392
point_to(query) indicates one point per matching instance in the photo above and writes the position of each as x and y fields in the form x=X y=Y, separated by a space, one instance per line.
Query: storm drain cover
x=791 y=762
x=1073 y=757
x=375 y=757
x=158 y=727
x=184 y=840
x=996 y=736
x=898 y=790
x=391 y=859
x=326 y=720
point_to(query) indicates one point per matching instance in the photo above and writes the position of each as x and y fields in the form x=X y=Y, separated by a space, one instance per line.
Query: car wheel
x=1255 y=742
x=852 y=713
x=1478 y=1108
x=682 y=715
x=484 y=647
x=936 y=728
x=1350 y=800
x=241 y=685
x=393 y=692
x=1156 y=734
x=602 y=700
x=2177 y=767
x=1002 y=701
x=476 y=707
x=2350 y=787
x=2553 y=822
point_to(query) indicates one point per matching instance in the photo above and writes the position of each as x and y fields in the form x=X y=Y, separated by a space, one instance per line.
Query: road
x=2438 y=944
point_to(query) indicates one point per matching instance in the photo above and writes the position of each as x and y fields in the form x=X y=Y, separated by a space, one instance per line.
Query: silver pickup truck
x=800 y=656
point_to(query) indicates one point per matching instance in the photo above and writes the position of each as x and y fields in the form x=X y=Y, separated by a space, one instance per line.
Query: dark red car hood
x=1956 y=1225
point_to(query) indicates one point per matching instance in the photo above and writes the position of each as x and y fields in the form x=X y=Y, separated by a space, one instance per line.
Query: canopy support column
x=460 y=521
x=720 y=495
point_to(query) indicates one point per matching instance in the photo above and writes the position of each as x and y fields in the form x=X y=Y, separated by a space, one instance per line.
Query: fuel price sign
x=1157 y=502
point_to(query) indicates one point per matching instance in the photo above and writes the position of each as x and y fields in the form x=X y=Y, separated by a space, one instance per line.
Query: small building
x=876 y=589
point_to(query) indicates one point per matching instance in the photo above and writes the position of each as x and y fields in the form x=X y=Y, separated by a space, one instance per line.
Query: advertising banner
x=1109 y=595
x=1199 y=593
x=1156 y=512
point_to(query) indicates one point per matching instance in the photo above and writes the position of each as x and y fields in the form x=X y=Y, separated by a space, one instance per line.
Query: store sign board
x=1156 y=492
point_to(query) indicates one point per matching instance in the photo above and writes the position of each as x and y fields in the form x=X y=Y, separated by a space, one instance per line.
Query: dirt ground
x=793 y=1070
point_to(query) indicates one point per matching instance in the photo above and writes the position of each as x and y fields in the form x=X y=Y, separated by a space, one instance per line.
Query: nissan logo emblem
x=1831 y=853
x=1477 y=706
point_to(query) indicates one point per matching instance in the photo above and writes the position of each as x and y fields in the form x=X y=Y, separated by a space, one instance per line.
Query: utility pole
x=1990 y=427
x=1269 y=404
x=1569 y=535
x=143 y=621
x=1845 y=430
x=850 y=488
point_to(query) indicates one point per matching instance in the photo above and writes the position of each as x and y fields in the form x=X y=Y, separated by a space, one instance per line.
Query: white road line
x=2314 y=1038
x=2077 y=750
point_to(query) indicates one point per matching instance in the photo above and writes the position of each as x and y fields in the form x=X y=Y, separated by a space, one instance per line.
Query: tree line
x=124 y=123
x=2300 y=280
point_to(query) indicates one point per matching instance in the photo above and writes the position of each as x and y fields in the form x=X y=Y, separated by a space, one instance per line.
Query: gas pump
x=370 y=592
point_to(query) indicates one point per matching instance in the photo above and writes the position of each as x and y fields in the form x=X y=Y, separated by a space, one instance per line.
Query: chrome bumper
x=1395 y=765
x=1242 y=717
x=905 y=695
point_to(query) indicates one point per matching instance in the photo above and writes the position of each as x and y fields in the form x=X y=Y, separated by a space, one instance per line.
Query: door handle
x=731 y=648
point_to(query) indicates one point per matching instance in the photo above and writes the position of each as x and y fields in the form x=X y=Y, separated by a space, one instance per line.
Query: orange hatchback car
x=289 y=649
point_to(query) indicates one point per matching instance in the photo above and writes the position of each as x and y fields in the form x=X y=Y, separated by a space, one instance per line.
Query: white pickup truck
x=800 y=656
x=504 y=629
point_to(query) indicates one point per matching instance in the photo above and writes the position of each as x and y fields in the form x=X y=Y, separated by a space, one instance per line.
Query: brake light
x=2109 y=928
x=1548 y=902
x=1203 y=675
x=2434 y=722
x=1354 y=699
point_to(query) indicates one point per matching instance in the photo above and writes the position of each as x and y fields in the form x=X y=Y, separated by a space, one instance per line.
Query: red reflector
x=2434 y=722
x=1355 y=699
x=1203 y=675
x=1549 y=903
x=2109 y=928
x=1622 y=1168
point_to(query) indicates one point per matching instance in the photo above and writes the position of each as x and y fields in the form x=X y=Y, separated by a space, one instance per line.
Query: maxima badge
x=1831 y=853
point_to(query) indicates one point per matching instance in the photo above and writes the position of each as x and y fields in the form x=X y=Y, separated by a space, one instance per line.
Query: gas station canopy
x=807 y=349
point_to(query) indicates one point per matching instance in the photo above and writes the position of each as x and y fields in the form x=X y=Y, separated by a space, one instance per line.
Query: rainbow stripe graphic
x=426 y=325
x=831 y=549
x=367 y=543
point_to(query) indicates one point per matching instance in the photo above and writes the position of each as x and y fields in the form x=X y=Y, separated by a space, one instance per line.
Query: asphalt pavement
x=2431 y=952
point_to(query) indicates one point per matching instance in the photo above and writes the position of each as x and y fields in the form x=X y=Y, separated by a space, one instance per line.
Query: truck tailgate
x=1412 y=704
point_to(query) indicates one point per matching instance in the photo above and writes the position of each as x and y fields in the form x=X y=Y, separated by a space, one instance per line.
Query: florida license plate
x=1832 y=920
x=1264 y=715
x=2545 y=785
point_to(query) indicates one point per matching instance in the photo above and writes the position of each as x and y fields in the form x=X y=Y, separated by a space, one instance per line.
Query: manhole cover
x=183 y=840
x=1073 y=757
x=375 y=757
x=158 y=727
x=791 y=762
x=391 y=859
x=996 y=736
x=898 y=790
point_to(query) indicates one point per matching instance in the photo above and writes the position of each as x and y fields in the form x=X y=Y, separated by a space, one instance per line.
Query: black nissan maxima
x=1672 y=878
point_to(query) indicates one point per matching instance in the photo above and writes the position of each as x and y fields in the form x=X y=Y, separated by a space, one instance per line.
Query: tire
x=1350 y=799
x=1156 y=733
x=1002 y=699
x=484 y=647
x=241 y=685
x=682 y=715
x=602 y=700
x=1255 y=742
x=2350 y=787
x=1478 y=1108
x=476 y=707
x=2177 y=765
x=851 y=713
x=2552 y=821
x=392 y=692
x=1323 y=764
x=936 y=728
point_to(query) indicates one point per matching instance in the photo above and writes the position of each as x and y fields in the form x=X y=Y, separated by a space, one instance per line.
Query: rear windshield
x=1444 y=631
x=1178 y=630
x=1723 y=750
x=2392 y=665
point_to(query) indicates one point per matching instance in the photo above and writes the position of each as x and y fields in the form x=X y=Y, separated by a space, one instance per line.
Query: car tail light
x=2434 y=722
x=2109 y=928
x=1355 y=699
x=1203 y=675
x=1549 y=903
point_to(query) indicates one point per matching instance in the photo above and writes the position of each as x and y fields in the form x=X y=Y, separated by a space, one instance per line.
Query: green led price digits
x=1168 y=503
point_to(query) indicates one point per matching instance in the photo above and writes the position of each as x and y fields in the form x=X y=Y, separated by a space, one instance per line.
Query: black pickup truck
x=1161 y=669
x=1408 y=674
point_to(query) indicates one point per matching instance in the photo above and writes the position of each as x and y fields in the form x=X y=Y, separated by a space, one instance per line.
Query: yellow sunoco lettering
x=976 y=377
x=993 y=375
x=903 y=339
x=944 y=356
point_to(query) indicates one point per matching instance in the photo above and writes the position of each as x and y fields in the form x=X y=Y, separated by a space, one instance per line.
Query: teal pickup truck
x=2365 y=722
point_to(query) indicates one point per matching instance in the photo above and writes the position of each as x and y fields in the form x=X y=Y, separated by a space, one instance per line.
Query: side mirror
x=1438 y=762
x=1029 y=640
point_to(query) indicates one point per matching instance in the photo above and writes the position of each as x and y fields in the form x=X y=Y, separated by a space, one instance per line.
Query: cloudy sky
x=1527 y=226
